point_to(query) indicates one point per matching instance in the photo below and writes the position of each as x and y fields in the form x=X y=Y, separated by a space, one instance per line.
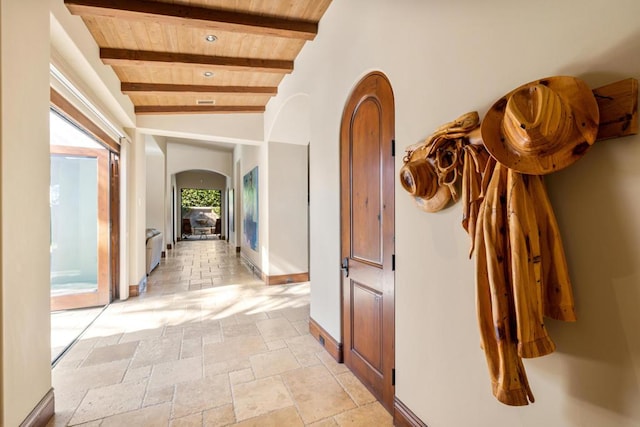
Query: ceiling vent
x=206 y=102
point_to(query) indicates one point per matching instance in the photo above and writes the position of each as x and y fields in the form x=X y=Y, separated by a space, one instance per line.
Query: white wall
x=137 y=189
x=288 y=209
x=444 y=59
x=25 y=368
x=155 y=191
x=240 y=128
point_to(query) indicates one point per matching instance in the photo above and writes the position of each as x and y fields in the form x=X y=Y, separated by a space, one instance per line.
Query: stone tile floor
x=208 y=345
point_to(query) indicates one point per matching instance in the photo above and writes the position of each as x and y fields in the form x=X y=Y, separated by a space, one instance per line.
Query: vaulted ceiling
x=200 y=56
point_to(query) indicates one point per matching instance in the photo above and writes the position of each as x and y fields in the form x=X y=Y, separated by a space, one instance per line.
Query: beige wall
x=155 y=191
x=24 y=254
x=444 y=59
x=288 y=209
x=136 y=195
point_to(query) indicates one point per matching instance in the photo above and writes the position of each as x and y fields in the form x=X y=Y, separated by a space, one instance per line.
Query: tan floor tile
x=296 y=314
x=89 y=377
x=276 y=329
x=327 y=422
x=157 y=350
x=276 y=345
x=303 y=344
x=137 y=374
x=191 y=347
x=107 y=340
x=302 y=326
x=97 y=423
x=308 y=359
x=110 y=400
x=152 y=416
x=227 y=366
x=233 y=348
x=141 y=335
x=260 y=397
x=317 y=394
x=242 y=376
x=240 y=330
x=110 y=353
x=273 y=363
x=66 y=402
x=331 y=364
x=193 y=420
x=156 y=396
x=168 y=373
x=250 y=317
x=201 y=395
x=219 y=417
x=370 y=415
x=284 y=417
x=358 y=392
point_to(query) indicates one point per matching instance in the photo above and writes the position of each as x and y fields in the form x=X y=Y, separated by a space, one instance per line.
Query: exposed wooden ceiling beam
x=160 y=89
x=193 y=16
x=191 y=109
x=125 y=57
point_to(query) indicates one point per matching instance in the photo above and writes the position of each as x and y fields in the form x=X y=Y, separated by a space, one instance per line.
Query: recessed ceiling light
x=208 y=74
x=211 y=38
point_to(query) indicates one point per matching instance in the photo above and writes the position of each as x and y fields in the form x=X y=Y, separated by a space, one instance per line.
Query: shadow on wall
x=602 y=255
x=597 y=203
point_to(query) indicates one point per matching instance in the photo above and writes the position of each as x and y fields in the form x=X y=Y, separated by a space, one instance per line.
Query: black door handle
x=345 y=266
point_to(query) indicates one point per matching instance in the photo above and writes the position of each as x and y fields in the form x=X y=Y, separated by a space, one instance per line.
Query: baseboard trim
x=163 y=254
x=333 y=347
x=136 y=290
x=254 y=268
x=169 y=246
x=238 y=249
x=404 y=417
x=287 y=278
x=42 y=413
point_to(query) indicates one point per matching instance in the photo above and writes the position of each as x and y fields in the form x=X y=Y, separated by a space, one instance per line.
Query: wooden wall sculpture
x=497 y=169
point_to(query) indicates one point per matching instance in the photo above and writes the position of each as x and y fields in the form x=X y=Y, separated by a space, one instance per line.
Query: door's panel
x=366 y=312
x=365 y=183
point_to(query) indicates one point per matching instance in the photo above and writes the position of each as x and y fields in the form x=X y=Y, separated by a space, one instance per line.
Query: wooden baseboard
x=287 y=278
x=136 y=290
x=333 y=347
x=163 y=254
x=404 y=417
x=238 y=249
x=42 y=413
x=169 y=246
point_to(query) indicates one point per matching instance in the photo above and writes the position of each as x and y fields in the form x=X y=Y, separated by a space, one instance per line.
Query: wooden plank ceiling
x=161 y=53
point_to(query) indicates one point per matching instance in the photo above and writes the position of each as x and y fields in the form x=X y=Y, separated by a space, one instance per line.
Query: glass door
x=79 y=200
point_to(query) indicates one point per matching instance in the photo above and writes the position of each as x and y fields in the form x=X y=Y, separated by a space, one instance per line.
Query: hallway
x=208 y=344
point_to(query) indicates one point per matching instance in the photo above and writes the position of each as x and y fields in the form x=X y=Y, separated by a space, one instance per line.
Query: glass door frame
x=102 y=296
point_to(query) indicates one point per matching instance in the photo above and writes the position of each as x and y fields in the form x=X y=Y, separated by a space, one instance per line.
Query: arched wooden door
x=367 y=235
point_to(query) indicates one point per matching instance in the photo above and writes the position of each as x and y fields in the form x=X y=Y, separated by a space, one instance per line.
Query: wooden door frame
x=357 y=96
x=114 y=212
x=101 y=297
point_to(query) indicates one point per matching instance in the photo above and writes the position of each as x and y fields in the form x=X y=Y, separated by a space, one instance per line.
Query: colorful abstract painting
x=250 y=208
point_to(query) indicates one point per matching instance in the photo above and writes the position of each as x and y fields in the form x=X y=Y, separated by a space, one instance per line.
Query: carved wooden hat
x=542 y=126
x=419 y=177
